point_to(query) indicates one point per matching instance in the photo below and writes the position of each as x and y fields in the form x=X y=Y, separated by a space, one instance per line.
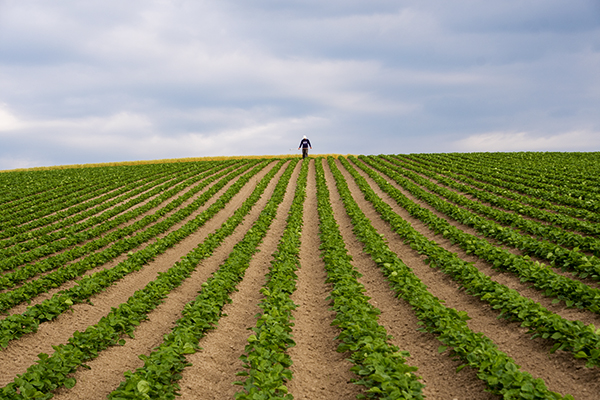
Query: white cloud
x=8 y=121
x=9 y=163
x=580 y=140
x=103 y=80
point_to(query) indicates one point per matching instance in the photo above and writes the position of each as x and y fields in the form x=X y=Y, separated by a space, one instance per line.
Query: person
x=305 y=144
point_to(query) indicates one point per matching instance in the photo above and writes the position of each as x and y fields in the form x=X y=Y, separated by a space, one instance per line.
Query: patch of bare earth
x=319 y=371
x=214 y=368
x=560 y=371
x=67 y=285
x=436 y=370
x=505 y=278
x=473 y=231
x=106 y=371
x=23 y=352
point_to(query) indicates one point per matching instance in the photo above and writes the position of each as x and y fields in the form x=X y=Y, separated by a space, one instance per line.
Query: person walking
x=304 y=144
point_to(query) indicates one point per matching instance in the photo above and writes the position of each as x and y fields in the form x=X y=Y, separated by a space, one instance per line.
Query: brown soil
x=23 y=352
x=319 y=371
x=561 y=372
x=123 y=225
x=67 y=285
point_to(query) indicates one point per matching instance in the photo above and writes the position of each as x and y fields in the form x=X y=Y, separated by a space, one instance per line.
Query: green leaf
x=188 y=348
x=143 y=387
x=70 y=383
x=282 y=388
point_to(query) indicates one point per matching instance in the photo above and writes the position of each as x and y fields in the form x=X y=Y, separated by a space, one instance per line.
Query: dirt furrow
x=23 y=352
x=106 y=371
x=587 y=281
x=437 y=370
x=67 y=285
x=319 y=371
x=214 y=368
x=505 y=278
x=120 y=226
x=560 y=371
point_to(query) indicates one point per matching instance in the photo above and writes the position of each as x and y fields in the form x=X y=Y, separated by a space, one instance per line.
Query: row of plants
x=572 y=260
x=16 y=325
x=29 y=184
x=490 y=175
x=266 y=361
x=574 y=293
x=381 y=366
x=70 y=214
x=536 y=177
x=35 y=188
x=42 y=209
x=94 y=227
x=99 y=210
x=123 y=240
x=52 y=372
x=157 y=379
x=581 y=340
x=572 y=169
x=513 y=191
x=32 y=190
x=38 y=229
x=499 y=371
x=487 y=193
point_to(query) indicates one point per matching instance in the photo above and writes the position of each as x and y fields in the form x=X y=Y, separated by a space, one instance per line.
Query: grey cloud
x=101 y=80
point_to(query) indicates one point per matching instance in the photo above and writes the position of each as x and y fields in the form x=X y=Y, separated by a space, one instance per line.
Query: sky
x=105 y=81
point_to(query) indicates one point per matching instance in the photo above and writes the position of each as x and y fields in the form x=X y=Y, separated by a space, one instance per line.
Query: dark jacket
x=305 y=143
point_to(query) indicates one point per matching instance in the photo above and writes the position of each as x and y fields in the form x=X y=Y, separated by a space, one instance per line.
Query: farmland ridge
x=437 y=276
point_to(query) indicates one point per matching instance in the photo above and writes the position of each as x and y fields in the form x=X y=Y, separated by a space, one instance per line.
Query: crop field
x=438 y=276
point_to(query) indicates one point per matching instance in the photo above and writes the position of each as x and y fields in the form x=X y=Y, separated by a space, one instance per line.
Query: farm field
x=438 y=276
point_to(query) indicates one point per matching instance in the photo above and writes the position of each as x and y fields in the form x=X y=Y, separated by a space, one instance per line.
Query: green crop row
x=568 y=169
x=157 y=379
x=495 y=368
x=15 y=326
x=94 y=227
x=52 y=372
x=381 y=366
x=581 y=340
x=501 y=188
x=574 y=293
x=28 y=185
x=572 y=260
x=55 y=197
x=265 y=359
x=24 y=188
x=70 y=201
x=558 y=182
x=565 y=217
x=42 y=230
x=123 y=242
x=496 y=177
x=67 y=222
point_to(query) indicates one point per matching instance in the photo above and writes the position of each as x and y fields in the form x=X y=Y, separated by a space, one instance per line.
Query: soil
x=319 y=370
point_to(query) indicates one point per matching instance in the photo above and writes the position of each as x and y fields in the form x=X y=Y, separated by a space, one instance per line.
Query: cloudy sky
x=105 y=80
